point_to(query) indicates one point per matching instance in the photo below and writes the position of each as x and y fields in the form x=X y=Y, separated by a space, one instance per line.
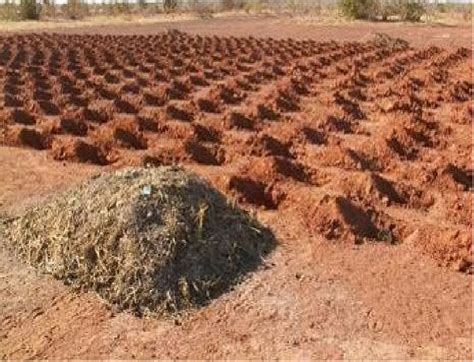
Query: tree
x=29 y=10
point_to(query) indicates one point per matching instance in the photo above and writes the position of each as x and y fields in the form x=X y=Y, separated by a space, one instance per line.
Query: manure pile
x=147 y=240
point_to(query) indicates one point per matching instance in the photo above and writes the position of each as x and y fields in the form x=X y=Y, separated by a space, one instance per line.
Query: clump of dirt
x=462 y=114
x=460 y=91
x=401 y=144
x=374 y=188
x=29 y=137
x=149 y=240
x=305 y=134
x=334 y=123
x=286 y=100
x=205 y=133
x=22 y=117
x=96 y=113
x=230 y=94
x=456 y=208
x=276 y=168
x=147 y=124
x=450 y=248
x=124 y=132
x=338 y=217
x=203 y=154
x=385 y=189
x=266 y=145
x=129 y=138
x=73 y=126
x=346 y=158
x=71 y=149
x=266 y=112
x=154 y=99
x=255 y=192
x=187 y=150
x=169 y=154
x=179 y=114
x=178 y=90
x=457 y=178
x=208 y=105
x=240 y=121
x=124 y=106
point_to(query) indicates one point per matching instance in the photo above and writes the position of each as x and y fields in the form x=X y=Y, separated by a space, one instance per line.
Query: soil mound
x=253 y=191
x=457 y=178
x=28 y=137
x=338 y=215
x=71 y=149
x=156 y=240
x=276 y=168
x=449 y=247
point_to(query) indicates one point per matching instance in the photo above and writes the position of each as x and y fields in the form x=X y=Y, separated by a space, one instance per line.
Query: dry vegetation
x=148 y=240
x=385 y=10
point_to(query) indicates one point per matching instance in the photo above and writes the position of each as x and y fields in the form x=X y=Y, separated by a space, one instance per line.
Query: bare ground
x=313 y=299
x=277 y=26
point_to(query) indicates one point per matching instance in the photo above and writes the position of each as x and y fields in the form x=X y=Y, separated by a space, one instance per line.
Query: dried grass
x=155 y=240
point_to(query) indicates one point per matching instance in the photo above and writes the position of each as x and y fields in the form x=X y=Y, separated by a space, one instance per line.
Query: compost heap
x=156 y=240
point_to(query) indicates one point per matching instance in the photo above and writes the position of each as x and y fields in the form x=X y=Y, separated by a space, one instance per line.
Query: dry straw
x=156 y=240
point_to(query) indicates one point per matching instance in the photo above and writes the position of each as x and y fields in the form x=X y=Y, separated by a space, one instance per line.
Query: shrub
x=256 y=6
x=204 y=10
x=73 y=9
x=170 y=5
x=358 y=9
x=121 y=7
x=8 y=11
x=407 y=10
x=467 y=12
x=386 y=9
x=48 y=9
x=228 y=4
x=412 y=11
x=442 y=8
x=29 y=10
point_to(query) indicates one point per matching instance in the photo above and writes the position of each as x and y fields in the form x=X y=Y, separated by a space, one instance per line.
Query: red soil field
x=364 y=143
x=347 y=134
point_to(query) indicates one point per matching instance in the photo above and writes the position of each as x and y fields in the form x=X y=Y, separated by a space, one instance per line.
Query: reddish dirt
x=297 y=27
x=356 y=154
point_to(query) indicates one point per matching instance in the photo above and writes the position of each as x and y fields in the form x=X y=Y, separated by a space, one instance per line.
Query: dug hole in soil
x=148 y=240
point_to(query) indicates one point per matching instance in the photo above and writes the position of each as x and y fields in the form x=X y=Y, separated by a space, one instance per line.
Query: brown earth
x=356 y=154
x=283 y=26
